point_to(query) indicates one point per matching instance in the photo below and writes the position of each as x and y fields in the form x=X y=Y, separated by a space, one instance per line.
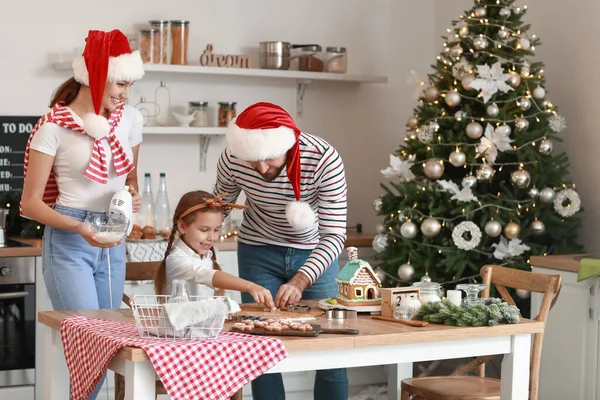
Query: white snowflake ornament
x=490 y=81
x=398 y=167
x=509 y=249
x=557 y=123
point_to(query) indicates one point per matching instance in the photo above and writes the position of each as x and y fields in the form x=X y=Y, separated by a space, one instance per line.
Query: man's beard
x=271 y=174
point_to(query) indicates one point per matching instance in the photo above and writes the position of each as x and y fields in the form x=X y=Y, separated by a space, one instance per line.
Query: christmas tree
x=476 y=181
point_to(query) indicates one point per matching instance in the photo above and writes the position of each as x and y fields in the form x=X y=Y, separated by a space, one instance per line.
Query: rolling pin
x=401 y=321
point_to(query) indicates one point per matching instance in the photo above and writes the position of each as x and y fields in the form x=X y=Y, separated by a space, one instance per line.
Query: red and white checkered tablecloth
x=189 y=369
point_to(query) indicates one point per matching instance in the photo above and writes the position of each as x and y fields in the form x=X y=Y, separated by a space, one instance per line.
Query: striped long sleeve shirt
x=322 y=185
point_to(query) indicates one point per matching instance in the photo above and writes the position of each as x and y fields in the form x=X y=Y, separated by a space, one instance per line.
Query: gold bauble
x=512 y=230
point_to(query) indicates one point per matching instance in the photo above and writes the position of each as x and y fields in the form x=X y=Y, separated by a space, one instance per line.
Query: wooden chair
x=141 y=271
x=456 y=386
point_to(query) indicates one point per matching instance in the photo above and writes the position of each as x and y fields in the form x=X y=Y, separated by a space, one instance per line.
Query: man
x=295 y=225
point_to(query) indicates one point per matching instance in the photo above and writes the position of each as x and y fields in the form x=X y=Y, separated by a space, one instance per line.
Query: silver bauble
x=493 y=228
x=547 y=195
x=525 y=72
x=430 y=227
x=426 y=278
x=485 y=173
x=412 y=122
x=408 y=230
x=514 y=79
x=503 y=130
x=457 y=158
x=503 y=34
x=505 y=12
x=538 y=227
x=456 y=51
x=533 y=192
x=521 y=123
x=523 y=294
x=380 y=274
x=434 y=168
x=380 y=228
x=434 y=125
x=469 y=181
x=466 y=81
x=432 y=93
x=453 y=98
x=546 y=146
x=539 y=93
x=380 y=243
x=480 y=12
x=480 y=43
x=525 y=104
x=512 y=230
x=525 y=44
x=493 y=110
x=520 y=179
x=377 y=203
x=474 y=130
x=460 y=115
x=406 y=272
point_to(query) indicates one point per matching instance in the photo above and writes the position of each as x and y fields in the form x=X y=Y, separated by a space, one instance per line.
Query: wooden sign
x=391 y=297
x=14 y=133
x=208 y=59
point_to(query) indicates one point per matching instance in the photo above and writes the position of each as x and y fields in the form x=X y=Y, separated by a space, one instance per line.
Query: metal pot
x=274 y=55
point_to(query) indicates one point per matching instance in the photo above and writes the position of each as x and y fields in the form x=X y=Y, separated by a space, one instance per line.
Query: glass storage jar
x=310 y=58
x=226 y=112
x=148 y=45
x=428 y=291
x=200 y=108
x=180 y=32
x=162 y=40
x=337 y=60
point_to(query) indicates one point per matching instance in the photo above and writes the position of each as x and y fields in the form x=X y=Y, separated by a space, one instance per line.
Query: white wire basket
x=152 y=321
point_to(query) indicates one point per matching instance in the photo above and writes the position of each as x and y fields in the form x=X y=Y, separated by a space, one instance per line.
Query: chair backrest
x=139 y=271
x=550 y=285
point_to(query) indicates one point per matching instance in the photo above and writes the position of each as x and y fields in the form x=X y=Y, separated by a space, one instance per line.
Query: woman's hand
x=87 y=231
x=261 y=295
x=136 y=199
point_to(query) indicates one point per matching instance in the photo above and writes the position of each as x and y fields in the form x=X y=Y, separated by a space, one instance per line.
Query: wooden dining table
x=378 y=343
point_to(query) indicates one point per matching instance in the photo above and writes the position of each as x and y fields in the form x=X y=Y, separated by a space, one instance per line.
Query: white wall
x=568 y=50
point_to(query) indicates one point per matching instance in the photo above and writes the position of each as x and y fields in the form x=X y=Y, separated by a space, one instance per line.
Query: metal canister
x=338 y=313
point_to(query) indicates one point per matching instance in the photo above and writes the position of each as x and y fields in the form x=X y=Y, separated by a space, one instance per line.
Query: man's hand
x=291 y=292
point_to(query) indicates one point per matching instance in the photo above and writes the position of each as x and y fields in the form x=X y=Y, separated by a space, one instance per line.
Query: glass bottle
x=179 y=292
x=162 y=212
x=180 y=32
x=163 y=104
x=146 y=213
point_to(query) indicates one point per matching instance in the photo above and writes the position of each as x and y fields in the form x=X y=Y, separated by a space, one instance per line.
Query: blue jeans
x=76 y=274
x=272 y=266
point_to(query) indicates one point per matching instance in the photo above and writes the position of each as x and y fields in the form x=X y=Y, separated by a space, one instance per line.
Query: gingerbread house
x=358 y=284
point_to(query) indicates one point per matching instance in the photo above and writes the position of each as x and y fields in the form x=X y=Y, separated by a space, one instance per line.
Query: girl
x=191 y=256
x=78 y=155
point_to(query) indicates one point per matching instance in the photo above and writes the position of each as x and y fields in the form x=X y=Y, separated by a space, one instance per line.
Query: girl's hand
x=261 y=295
x=87 y=231
x=136 y=200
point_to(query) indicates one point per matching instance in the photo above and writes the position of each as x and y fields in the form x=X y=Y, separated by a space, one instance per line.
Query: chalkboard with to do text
x=14 y=133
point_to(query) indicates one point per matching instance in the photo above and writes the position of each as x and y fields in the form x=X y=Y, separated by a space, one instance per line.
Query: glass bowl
x=106 y=232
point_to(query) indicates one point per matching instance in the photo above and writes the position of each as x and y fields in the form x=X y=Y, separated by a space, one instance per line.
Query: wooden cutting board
x=257 y=310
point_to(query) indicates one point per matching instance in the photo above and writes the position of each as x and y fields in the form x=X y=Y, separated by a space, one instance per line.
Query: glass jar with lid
x=337 y=60
x=310 y=58
x=200 y=110
x=162 y=39
x=148 y=44
x=180 y=32
x=428 y=291
x=226 y=112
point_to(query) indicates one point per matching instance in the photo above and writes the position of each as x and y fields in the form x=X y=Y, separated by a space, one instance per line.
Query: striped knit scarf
x=97 y=170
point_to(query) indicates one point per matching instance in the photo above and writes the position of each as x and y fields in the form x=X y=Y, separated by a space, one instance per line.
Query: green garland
x=493 y=312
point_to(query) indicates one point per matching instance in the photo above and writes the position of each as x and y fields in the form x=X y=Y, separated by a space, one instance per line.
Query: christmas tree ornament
x=539 y=93
x=377 y=203
x=557 y=123
x=432 y=93
x=533 y=192
x=460 y=115
x=472 y=238
x=503 y=130
x=457 y=158
x=461 y=69
x=520 y=179
x=406 y=272
x=485 y=173
x=425 y=134
x=547 y=195
x=514 y=79
x=412 y=122
x=567 y=203
x=380 y=274
x=469 y=181
x=466 y=80
x=503 y=34
x=546 y=146
x=493 y=228
x=521 y=123
x=408 y=230
x=480 y=43
x=480 y=12
x=463 y=29
x=523 y=44
x=435 y=126
x=538 y=227
x=426 y=278
x=523 y=294
x=546 y=103
x=380 y=243
x=456 y=51
x=504 y=12
x=430 y=227
x=380 y=228
x=474 y=130
x=453 y=98
x=512 y=230
x=493 y=110
x=433 y=168
x=516 y=10
x=525 y=104
x=525 y=71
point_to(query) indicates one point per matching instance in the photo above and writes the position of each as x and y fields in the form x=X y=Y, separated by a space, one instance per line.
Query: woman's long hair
x=188 y=200
x=66 y=92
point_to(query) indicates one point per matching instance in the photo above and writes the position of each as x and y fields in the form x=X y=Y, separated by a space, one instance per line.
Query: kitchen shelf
x=178 y=130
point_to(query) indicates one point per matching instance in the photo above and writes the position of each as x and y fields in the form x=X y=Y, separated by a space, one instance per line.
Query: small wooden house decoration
x=358 y=284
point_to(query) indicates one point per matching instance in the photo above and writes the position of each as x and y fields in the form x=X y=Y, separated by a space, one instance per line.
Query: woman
x=78 y=155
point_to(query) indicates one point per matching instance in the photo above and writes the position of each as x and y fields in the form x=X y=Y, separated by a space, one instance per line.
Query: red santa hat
x=107 y=57
x=265 y=131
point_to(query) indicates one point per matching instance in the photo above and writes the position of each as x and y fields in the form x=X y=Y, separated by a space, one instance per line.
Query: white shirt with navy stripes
x=322 y=185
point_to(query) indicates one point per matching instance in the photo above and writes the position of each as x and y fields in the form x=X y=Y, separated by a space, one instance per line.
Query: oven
x=17 y=322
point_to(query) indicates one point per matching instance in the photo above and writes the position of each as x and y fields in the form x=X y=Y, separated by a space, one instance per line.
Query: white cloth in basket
x=183 y=315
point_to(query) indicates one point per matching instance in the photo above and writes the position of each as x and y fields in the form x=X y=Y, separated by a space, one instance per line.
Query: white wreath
x=460 y=230
x=574 y=203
